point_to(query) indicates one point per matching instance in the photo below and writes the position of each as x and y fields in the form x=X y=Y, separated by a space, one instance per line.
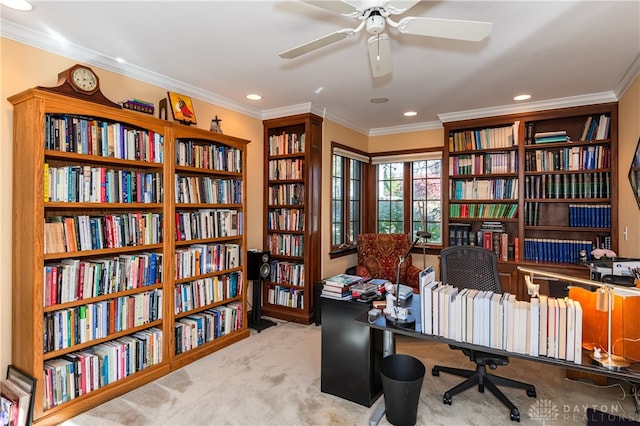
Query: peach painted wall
x=628 y=135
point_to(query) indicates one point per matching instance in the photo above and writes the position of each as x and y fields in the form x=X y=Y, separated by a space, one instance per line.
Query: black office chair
x=477 y=268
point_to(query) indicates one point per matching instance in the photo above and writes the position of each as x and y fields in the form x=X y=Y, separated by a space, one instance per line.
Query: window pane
x=346 y=200
x=426 y=197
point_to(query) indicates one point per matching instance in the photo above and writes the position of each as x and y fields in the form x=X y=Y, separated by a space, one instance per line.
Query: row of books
x=485 y=189
x=495 y=137
x=78 y=279
x=204 y=189
x=286 y=245
x=483 y=211
x=80 y=135
x=202 y=327
x=289 y=273
x=286 y=169
x=477 y=164
x=286 y=143
x=585 y=157
x=208 y=156
x=572 y=185
x=79 y=233
x=556 y=249
x=285 y=296
x=287 y=193
x=594 y=128
x=285 y=219
x=590 y=215
x=80 y=324
x=208 y=223
x=200 y=259
x=495 y=239
x=86 y=184
x=82 y=372
x=205 y=291
x=545 y=326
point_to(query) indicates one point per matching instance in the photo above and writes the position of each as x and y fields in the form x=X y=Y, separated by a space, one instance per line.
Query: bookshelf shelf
x=100 y=189
x=292 y=174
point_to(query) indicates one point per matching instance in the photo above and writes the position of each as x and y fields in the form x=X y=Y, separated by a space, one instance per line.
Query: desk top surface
x=632 y=373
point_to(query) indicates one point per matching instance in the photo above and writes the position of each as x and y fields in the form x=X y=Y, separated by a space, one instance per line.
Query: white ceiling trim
x=629 y=77
x=594 y=98
x=407 y=128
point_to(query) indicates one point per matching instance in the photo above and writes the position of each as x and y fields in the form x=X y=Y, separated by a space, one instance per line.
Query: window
x=347 y=179
x=409 y=194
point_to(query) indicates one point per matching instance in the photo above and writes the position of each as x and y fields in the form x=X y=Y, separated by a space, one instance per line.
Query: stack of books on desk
x=339 y=286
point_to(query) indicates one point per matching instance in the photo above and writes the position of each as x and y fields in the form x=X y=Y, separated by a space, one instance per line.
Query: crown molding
x=628 y=78
x=594 y=98
x=406 y=128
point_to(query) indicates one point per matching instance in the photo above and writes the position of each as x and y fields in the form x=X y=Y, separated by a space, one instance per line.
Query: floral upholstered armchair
x=379 y=255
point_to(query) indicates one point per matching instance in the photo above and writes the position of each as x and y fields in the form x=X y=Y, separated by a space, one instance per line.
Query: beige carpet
x=273 y=378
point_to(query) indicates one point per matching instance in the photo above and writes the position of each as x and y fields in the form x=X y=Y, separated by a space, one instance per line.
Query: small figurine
x=215 y=125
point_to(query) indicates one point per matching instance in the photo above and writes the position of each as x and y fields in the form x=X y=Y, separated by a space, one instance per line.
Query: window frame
x=347 y=154
x=407 y=158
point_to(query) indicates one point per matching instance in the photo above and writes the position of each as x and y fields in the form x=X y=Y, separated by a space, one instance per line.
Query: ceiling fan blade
x=380 y=55
x=396 y=7
x=317 y=43
x=445 y=28
x=341 y=7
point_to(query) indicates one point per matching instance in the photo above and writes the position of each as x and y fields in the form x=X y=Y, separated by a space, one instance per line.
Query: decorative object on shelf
x=138 y=105
x=182 y=108
x=81 y=82
x=215 y=125
x=162 y=109
x=603 y=254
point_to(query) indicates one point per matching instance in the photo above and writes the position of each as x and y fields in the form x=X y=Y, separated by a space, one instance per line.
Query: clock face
x=84 y=79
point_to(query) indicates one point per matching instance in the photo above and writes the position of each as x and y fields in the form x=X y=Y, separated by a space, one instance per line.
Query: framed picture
x=182 y=108
x=26 y=383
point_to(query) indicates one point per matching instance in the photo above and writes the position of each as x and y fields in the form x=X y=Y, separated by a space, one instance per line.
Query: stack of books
x=339 y=286
x=546 y=137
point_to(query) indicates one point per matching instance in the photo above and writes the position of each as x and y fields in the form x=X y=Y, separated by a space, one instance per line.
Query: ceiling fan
x=374 y=15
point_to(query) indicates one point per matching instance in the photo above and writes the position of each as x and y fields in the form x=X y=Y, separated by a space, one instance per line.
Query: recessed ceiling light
x=379 y=100
x=254 y=97
x=522 y=97
x=410 y=114
x=17 y=4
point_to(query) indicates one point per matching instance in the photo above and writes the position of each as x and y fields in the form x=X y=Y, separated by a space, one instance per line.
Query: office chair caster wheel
x=435 y=372
x=446 y=399
x=531 y=393
x=515 y=415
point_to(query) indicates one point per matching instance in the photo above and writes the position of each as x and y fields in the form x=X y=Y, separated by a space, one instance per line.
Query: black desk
x=631 y=374
x=351 y=353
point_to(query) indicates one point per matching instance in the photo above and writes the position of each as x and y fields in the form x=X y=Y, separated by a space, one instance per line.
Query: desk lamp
x=608 y=360
x=397 y=315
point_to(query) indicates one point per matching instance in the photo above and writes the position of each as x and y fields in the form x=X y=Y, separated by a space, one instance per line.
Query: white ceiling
x=562 y=52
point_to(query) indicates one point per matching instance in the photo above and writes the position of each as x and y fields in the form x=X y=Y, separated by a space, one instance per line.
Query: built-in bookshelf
x=292 y=215
x=116 y=218
x=553 y=194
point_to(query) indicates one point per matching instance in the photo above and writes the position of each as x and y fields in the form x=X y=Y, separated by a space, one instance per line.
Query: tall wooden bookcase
x=292 y=173
x=95 y=238
x=547 y=181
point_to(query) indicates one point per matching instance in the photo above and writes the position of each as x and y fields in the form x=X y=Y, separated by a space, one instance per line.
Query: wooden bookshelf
x=110 y=179
x=292 y=173
x=561 y=165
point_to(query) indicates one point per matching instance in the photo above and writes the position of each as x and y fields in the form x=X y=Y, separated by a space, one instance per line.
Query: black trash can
x=402 y=377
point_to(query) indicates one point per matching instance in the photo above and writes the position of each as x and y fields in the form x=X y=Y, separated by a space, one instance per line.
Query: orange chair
x=379 y=255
